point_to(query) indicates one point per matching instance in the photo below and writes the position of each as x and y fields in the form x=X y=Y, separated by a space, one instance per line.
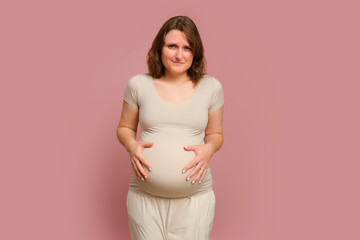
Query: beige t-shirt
x=171 y=127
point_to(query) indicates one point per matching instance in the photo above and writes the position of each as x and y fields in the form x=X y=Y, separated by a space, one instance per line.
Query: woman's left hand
x=201 y=162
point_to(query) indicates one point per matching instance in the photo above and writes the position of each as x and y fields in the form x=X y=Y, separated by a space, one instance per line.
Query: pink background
x=289 y=166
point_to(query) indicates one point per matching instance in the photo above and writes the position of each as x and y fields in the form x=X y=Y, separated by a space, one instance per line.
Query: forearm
x=126 y=136
x=214 y=141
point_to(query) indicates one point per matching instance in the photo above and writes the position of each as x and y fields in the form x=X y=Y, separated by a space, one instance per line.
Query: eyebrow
x=177 y=44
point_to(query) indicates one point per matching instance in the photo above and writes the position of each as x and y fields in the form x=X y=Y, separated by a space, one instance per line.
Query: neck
x=181 y=78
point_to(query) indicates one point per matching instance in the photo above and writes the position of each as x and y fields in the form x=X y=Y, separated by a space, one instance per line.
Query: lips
x=177 y=62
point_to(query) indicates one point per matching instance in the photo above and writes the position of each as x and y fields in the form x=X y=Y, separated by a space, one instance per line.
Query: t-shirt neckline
x=162 y=100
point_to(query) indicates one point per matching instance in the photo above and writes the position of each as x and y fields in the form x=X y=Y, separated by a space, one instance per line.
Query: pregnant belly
x=166 y=179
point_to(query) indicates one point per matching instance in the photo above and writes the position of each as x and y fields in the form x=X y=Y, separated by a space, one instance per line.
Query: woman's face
x=176 y=54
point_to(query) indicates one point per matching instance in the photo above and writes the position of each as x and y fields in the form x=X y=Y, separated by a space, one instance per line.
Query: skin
x=174 y=87
x=176 y=57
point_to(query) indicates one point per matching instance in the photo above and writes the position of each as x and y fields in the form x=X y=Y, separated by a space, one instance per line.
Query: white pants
x=155 y=218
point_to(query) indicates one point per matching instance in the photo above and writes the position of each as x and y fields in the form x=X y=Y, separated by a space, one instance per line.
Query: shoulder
x=139 y=77
x=136 y=80
x=212 y=81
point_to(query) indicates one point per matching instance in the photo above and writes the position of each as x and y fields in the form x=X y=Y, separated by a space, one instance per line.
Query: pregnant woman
x=180 y=110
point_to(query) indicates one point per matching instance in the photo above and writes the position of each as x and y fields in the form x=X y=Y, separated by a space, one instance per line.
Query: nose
x=179 y=53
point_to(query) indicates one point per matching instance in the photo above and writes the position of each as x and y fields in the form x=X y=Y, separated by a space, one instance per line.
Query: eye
x=188 y=48
x=171 y=46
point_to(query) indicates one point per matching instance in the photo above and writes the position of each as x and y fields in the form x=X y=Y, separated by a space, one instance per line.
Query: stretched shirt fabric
x=171 y=127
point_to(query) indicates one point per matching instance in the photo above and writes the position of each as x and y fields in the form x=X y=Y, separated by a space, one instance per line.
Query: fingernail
x=185 y=146
x=183 y=171
x=187 y=179
x=199 y=181
x=149 y=168
x=146 y=177
x=193 y=182
x=142 y=179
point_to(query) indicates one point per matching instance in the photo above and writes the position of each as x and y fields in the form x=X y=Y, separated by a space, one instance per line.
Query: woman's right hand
x=138 y=161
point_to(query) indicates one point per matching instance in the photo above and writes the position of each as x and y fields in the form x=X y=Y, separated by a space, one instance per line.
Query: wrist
x=211 y=149
x=130 y=145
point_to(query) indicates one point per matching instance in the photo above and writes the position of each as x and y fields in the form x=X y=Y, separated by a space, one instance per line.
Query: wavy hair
x=186 y=25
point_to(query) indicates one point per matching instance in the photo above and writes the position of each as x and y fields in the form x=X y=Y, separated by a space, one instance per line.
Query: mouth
x=177 y=62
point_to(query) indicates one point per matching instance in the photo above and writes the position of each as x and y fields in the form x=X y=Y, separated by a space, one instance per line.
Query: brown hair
x=186 y=25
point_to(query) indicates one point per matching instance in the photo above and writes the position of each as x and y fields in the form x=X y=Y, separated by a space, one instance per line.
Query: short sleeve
x=131 y=92
x=218 y=96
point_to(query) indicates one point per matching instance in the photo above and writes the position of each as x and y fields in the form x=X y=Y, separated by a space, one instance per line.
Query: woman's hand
x=138 y=161
x=201 y=161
